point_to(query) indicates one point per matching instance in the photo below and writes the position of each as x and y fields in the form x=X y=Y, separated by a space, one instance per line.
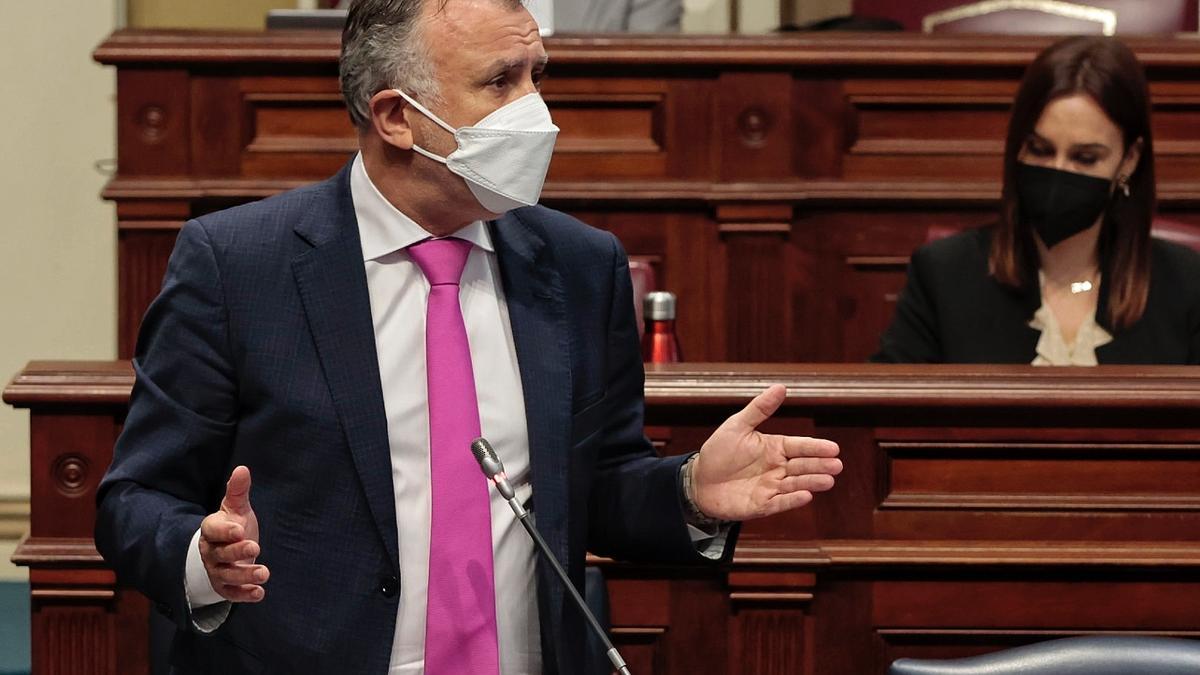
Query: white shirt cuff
x=208 y=609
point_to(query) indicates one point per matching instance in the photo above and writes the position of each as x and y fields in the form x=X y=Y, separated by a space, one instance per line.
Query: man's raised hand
x=229 y=544
x=742 y=473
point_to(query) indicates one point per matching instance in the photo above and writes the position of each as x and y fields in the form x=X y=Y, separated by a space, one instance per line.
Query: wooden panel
x=143 y=251
x=840 y=587
x=615 y=128
x=756 y=327
x=754 y=118
x=1059 y=604
x=869 y=144
x=823 y=123
x=73 y=639
x=1027 y=476
x=640 y=603
x=850 y=269
x=298 y=122
x=1176 y=106
x=642 y=648
x=641 y=615
x=153 y=116
x=758 y=268
x=768 y=642
x=288 y=131
x=218 y=126
x=630 y=123
x=294 y=126
x=922 y=138
x=73 y=450
x=684 y=249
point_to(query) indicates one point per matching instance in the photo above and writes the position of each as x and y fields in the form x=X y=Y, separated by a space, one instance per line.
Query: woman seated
x=1070 y=274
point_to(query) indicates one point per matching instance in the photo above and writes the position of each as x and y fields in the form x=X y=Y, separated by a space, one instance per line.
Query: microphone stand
x=489 y=462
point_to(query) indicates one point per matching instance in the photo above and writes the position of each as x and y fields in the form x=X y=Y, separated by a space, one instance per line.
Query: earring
x=1123 y=184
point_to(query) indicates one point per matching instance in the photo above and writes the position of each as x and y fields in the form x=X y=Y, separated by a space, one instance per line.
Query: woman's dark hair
x=1106 y=71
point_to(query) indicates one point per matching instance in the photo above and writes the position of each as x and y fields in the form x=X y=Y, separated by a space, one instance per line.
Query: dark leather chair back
x=1092 y=655
x=1179 y=232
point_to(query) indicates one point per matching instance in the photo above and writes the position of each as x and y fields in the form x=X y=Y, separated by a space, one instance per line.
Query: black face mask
x=1059 y=204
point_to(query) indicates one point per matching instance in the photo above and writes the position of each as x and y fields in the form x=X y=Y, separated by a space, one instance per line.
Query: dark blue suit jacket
x=260 y=351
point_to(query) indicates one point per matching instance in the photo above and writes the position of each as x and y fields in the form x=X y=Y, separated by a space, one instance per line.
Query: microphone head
x=485 y=454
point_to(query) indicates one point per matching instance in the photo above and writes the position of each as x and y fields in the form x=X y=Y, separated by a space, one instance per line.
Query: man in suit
x=344 y=342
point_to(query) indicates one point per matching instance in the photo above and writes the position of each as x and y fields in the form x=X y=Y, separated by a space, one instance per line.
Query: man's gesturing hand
x=229 y=544
x=742 y=474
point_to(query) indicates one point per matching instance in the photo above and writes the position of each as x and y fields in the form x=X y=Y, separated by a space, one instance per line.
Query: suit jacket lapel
x=333 y=288
x=537 y=312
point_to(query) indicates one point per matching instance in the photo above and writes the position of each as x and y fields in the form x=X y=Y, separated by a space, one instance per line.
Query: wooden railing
x=980 y=507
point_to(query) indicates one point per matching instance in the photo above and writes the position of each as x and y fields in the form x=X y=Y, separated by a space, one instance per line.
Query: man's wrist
x=198 y=587
x=691 y=512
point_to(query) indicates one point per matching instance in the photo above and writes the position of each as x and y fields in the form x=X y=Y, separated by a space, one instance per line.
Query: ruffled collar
x=1053 y=350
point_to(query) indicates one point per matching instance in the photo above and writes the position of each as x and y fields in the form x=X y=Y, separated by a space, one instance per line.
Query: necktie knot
x=441 y=260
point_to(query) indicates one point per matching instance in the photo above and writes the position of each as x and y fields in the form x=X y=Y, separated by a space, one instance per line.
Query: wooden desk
x=981 y=507
x=777 y=184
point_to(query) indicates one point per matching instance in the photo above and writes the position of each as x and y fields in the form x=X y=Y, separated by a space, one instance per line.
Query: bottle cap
x=659 y=306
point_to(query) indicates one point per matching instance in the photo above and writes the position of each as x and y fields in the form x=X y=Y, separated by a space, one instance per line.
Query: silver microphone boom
x=493 y=469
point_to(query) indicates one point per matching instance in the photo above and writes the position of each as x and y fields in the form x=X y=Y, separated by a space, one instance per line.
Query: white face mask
x=503 y=157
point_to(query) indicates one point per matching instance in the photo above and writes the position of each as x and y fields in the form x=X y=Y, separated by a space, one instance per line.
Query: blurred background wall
x=58 y=258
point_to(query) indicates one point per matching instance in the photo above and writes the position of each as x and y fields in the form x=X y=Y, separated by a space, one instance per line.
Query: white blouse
x=1053 y=350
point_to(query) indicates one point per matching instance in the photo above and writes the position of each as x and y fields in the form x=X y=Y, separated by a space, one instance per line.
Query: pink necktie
x=460 y=628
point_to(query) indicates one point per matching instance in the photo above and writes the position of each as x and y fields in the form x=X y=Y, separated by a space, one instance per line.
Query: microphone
x=493 y=469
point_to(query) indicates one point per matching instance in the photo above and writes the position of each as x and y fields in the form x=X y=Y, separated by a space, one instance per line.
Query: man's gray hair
x=383 y=48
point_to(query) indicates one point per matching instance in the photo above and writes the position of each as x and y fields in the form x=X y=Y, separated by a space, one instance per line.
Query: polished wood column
x=81 y=622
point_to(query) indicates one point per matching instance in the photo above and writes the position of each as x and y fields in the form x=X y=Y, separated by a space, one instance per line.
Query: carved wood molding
x=132 y=188
x=71 y=383
x=778 y=558
x=72 y=594
x=1042 y=502
x=55 y=551
x=128 y=47
x=770 y=597
x=815 y=385
x=840 y=385
x=822 y=191
x=833 y=192
x=874 y=553
x=1041 y=634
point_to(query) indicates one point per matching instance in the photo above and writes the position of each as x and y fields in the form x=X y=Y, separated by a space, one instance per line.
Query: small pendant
x=1081 y=286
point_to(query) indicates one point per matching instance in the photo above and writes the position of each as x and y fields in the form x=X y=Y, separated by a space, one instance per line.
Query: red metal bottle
x=659 y=343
